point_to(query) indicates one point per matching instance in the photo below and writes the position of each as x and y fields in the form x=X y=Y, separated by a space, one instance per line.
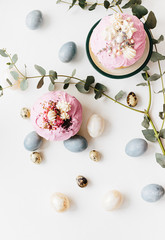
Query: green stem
x=156 y=134
x=15 y=66
x=149 y=88
x=89 y=4
x=118 y=6
x=78 y=79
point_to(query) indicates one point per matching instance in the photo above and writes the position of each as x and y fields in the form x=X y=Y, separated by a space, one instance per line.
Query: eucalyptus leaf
x=1 y=91
x=67 y=80
x=98 y=94
x=162 y=133
x=24 y=84
x=40 y=69
x=146 y=68
x=119 y=95
x=40 y=83
x=88 y=82
x=160 y=158
x=151 y=21
x=9 y=82
x=157 y=57
x=149 y=135
x=73 y=73
x=142 y=84
x=3 y=53
x=73 y=3
x=51 y=86
x=163 y=90
x=153 y=77
x=15 y=75
x=131 y=3
x=161 y=115
x=80 y=87
x=82 y=3
x=139 y=11
x=145 y=76
x=14 y=58
x=100 y=87
x=119 y=2
x=11 y=66
x=53 y=76
x=106 y=4
x=58 y=1
x=66 y=85
x=92 y=7
x=146 y=122
x=160 y=39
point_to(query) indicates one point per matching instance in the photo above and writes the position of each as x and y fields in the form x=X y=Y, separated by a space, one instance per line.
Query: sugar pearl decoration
x=82 y=181
x=112 y=200
x=36 y=157
x=60 y=202
x=119 y=39
x=94 y=155
x=25 y=113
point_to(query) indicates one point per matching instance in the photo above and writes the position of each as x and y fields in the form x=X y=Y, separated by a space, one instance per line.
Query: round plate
x=122 y=72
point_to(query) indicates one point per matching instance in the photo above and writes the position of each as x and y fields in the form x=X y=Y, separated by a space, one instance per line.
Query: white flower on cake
x=64 y=115
x=118 y=36
x=63 y=106
x=129 y=52
x=51 y=115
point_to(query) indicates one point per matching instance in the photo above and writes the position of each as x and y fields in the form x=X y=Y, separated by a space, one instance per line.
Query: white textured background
x=25 y=188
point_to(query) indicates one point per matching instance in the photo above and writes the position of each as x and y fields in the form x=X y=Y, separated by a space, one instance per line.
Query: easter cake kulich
x=56 y=116
x=118 y=41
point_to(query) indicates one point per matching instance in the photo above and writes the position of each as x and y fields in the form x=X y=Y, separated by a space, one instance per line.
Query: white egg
x=95 y=125
x=60 y=202
x=112 y=200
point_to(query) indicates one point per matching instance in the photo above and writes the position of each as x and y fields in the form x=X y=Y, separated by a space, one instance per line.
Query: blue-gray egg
x=76 y=143
x=136 y=147
x=34 y=19
x=67 y=52
x=152 y=192
x=32 y=141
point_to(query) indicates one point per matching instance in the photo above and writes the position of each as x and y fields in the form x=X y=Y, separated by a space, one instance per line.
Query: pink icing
x=60 y=133
x=97 y=42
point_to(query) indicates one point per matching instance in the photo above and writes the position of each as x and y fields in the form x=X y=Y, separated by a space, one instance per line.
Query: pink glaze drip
x=97 y=42
x=60 y=133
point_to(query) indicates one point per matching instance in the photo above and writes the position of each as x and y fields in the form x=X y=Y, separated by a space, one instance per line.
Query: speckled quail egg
x=36 y=157
x=94 y=155
x=132 y=99
x=81 y=181
x=25 y=113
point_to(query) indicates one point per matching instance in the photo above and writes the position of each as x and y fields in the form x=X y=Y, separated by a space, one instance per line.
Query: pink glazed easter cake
x=118 y=41
x=56 y=116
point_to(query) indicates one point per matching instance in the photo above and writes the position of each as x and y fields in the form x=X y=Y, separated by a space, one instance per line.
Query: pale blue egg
x=67 y=52
x=34 y=19
x=136 y=147
x=32 y=141
x=152 y=192
x=76 y=143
